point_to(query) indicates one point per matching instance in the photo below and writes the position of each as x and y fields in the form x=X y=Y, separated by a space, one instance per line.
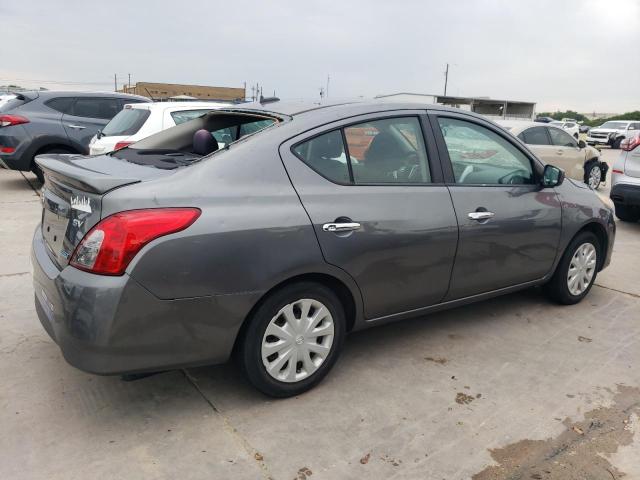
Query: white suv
x=612 y=133
x=572 y=128
x=140 y=120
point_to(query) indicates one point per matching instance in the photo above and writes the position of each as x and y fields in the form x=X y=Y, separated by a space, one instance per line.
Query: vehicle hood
x=603 y=130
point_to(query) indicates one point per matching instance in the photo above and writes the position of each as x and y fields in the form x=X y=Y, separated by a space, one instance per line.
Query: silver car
x=625 y=180
x=311 y=222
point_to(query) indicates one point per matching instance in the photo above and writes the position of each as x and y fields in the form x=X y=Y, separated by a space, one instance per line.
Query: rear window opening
x=127 y=122
x=190 y=141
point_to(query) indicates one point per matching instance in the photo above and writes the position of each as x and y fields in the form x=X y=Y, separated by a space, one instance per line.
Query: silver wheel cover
x=582 y=268
x=595 y=175
x=297 y=340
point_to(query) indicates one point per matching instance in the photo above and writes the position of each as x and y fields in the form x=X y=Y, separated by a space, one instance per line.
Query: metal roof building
x=505 y=109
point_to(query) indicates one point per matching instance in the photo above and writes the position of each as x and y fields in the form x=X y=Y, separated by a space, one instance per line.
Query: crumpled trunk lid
x=72 y=196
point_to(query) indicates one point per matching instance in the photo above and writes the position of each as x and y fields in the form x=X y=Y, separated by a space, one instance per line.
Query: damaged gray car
x=269 y=231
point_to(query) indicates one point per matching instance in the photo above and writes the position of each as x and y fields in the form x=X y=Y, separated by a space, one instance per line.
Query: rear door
x=87 y=116
x=539 y=142
x=509 y=226
x=372 y=187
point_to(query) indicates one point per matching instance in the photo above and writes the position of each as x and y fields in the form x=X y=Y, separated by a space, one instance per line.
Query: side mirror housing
x=552 y=176
x=581 y=144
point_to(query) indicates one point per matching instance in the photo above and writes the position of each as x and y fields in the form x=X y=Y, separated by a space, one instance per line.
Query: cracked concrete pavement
x=525 y=373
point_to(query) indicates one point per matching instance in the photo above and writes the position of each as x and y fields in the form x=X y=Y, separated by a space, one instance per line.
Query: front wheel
x=616 y=143
x=576 y=271
x=593 y=175
x=293 y=339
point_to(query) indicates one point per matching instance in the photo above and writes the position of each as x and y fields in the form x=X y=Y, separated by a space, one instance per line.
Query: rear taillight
x=9 y=120
x=7 y=149
x=120 y=145
x=629 y=144
x=109 y=247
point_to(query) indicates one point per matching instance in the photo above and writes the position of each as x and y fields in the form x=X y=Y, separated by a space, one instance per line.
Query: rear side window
x=561 y=138
x=186 y=115
x=480 y=156
x=103 y=108
x=325 y=154
x=388 y=151
x=126 y=122
x=253 y=127
x=60 y=104
x=535 y=136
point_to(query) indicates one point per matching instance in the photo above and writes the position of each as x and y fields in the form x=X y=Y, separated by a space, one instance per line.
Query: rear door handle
x=480 y=215
x=341 y=227
x=77 y=127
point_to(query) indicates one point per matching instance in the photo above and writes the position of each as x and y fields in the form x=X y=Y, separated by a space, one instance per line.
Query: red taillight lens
x=7 y=149
x=109 y=247
x=629 y=144
x=8 y=120
x=120 y=145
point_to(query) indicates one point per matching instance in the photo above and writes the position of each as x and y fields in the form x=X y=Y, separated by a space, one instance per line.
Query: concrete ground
x=513 y=387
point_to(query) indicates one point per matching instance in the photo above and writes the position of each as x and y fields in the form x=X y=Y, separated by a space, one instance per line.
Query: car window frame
x=574 y=141
x=447 y=166
x=435 y=168
x=73 y=107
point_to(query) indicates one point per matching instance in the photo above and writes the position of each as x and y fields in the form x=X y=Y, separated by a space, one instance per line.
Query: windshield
x=614 y=125
x=126 y=122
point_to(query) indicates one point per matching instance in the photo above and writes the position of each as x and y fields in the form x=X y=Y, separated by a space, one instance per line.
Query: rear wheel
x=576 y=271
x=293 y=339
x=627 y=213
x=37 y=170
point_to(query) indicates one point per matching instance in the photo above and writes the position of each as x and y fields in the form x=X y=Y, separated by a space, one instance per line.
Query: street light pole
x=446 y=79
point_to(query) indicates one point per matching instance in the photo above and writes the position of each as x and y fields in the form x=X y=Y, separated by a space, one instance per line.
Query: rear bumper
x=112 y=325
x=16 y=137
x=626 y=194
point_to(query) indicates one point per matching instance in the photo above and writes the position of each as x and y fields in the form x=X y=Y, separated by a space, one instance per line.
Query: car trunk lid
x=72 y=196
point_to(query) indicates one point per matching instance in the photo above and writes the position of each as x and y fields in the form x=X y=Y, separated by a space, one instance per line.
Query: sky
x=562 y=54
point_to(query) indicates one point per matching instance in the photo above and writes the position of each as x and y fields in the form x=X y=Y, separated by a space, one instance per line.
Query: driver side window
x=480 y=156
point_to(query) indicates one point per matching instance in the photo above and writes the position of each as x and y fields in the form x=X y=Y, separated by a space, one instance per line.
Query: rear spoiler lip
x=61 y=170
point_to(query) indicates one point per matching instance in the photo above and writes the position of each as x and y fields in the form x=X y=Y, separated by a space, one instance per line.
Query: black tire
x=557 y=288
x=627 y=213
x=37 y=170
x=250 y=344
x=576 y=136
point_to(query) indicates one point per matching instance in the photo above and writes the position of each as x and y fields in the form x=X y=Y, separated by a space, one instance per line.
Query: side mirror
x=581 y=144
x=552 y=176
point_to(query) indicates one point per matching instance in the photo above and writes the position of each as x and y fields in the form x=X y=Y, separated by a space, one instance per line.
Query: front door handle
x=341 y=227
x=77 y=127
x=481 y=215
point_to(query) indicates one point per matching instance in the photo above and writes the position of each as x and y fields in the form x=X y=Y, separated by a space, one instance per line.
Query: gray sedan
x=269 y=231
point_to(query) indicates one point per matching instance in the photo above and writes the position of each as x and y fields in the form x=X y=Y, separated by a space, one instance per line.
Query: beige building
x=164 y=91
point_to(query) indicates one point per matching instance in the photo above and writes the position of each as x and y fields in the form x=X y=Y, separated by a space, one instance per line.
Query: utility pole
x=115 y=82
x=129 y=83
x=327 y=90
x=446 y=79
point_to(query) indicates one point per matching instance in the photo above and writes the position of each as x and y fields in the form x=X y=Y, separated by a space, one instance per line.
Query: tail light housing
x=121 y=145
x=629 y=144
x=10 y=120
x=109 y=247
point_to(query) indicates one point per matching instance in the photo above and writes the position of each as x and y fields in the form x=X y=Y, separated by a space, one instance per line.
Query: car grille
x=598 y=135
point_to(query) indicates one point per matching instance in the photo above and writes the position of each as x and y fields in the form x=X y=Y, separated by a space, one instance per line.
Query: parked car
x=53 y=122
x=625 y=180
x=571 y=128
x=613 y=133
x=139 y=120
x=555 y=146
x=174 y=252
x=544 y=119
x=584 y=128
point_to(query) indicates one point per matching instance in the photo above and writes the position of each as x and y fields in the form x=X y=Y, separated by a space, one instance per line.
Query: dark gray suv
x=54 y=122
x=180 y=250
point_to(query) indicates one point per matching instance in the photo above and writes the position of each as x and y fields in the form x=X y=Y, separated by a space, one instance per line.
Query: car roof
x=189 y=104
x=46 y=94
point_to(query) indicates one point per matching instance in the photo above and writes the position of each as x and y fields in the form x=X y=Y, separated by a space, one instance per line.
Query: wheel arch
x=601 y=234
x=347 y=297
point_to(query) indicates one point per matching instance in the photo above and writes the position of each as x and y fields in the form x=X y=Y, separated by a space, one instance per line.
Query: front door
x=373 y=190
x=509 y=226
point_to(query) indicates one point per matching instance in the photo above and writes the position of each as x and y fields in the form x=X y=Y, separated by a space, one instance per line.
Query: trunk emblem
x=81 y=203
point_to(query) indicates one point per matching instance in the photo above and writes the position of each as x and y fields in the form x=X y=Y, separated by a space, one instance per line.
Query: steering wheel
x=517 y=177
